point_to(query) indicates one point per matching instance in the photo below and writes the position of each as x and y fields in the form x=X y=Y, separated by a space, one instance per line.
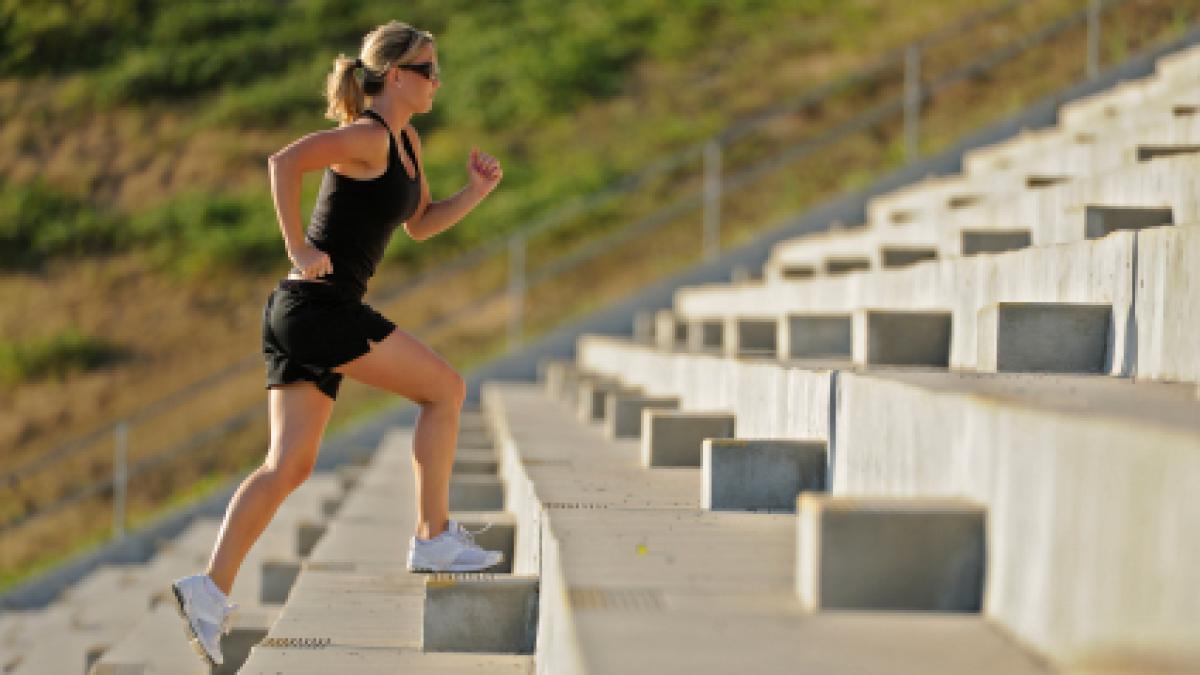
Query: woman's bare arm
x=432 y=217
x=354 y=143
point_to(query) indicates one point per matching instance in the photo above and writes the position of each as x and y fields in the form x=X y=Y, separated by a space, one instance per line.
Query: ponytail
x=343 y=92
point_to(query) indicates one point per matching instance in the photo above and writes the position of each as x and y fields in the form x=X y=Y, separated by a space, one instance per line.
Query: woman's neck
x=392 y=110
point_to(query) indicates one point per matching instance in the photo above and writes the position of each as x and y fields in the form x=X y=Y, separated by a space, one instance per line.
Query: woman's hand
x=484 y=171
x=310 y=260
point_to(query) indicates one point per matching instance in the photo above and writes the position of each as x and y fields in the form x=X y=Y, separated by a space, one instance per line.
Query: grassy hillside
x=137 y=238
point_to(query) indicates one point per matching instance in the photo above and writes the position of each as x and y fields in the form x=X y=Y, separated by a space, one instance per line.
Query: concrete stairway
x=103 y=611
x=354 y=607
x=638 y=577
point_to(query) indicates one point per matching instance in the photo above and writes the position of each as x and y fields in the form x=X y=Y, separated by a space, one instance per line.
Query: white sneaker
x=207 y=613
x=454 y=550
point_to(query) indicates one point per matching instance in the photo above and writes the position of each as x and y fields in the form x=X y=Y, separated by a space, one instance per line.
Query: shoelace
x=468 y=536
x=227 y=618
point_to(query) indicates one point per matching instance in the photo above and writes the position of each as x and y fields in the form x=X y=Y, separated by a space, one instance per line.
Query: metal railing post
x=712 y=199
x=912 y=103
x=120 y=478
x=516 y=290
x=1093 y=39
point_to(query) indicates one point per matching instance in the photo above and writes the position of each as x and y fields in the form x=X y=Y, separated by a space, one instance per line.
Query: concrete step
x=354 y=605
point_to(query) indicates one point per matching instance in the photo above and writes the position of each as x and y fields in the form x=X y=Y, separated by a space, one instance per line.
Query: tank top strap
x=372 y=113
x=393 y=150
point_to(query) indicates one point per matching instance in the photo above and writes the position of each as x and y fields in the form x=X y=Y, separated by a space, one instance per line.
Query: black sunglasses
x=428 y=70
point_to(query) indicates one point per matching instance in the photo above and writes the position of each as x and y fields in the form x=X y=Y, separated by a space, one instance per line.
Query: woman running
x=316 y=328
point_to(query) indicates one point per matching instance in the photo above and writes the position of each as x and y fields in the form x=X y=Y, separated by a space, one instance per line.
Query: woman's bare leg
x=299 y=413
x=402 y=365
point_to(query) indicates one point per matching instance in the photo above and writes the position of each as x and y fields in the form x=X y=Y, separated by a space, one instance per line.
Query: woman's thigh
x=401 y=364
x=299 y=413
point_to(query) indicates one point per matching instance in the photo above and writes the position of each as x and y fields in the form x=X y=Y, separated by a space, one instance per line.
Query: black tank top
x=353 y=219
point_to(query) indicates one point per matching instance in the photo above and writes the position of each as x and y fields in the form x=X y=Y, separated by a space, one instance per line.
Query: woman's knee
x=288 y=475
x=450 y=389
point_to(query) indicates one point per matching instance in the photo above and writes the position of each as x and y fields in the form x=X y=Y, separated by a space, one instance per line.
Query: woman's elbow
x=413 y=232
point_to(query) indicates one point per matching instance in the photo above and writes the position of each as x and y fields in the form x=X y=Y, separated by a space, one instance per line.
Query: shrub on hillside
x=54 y=355
x=38 y=221
x=199 y=232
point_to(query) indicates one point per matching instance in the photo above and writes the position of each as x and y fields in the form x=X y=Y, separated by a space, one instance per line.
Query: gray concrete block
x=476 y=493
x=916 y=554
x=623 y=412
x=308 y=533
x=994 y=241
x=559 y=375
x=843 y=265
x=480 y=613
x=670 y=331
x=752 y=337
x=349 y=475
x=643 y=326
x=767 y=474
x=676 y=438
x=797 y=272
x=815 y=336
x=476 y=462
x=1100 y=221
x=330 y=505
x=1045 y=337
x=250 y=626
x=474 y=439
x=902 y=338
x=1146 y=153
x=706 y=335
x=278 y=577
x=592 y=397
x=1035 y=181
x=891 y=257
x=741 y=274
x=962 y=201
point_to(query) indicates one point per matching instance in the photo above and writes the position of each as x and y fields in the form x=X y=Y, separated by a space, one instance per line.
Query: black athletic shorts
x=311 y=327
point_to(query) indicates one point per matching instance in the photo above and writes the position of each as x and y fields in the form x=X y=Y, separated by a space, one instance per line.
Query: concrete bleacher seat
x=638 y=578
x=1013 y=443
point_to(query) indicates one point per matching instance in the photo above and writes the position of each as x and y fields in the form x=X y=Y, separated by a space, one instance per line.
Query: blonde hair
x=392 y=43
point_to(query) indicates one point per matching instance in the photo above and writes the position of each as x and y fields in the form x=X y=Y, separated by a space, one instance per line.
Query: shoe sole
x=193 y=639
x=462 y=567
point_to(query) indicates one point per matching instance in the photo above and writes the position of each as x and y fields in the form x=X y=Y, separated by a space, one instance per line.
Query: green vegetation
x=515 y=74
x=54 y=355
x=198 y=232
x=38 y=221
